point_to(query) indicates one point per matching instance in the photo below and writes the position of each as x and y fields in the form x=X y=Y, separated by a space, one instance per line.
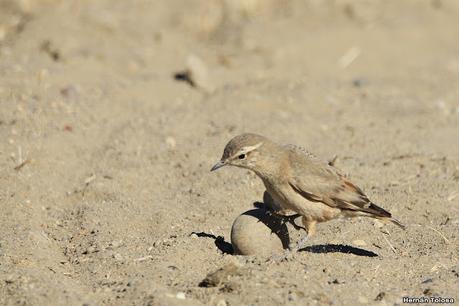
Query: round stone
x=256 y=232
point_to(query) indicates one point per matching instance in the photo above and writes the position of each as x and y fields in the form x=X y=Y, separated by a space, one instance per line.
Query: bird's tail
x=383 y=215
x=393 y=220
x=398 y=223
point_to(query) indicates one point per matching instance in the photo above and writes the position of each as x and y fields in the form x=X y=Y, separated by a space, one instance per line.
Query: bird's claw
x=291 y=219
x=302 y=243
x=287 y=219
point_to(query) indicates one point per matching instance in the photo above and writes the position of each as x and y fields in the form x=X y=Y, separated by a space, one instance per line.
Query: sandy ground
x=105 y=157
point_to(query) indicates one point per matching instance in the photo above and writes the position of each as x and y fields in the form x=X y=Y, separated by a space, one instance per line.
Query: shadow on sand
x=227 y=248
x=338 y=248
x=220 y=243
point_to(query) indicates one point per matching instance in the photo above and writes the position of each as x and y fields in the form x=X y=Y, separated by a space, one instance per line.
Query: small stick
x=440 y=233
x=18 y=167
x=391 y=246
x=453 y=195
x=88 y=180
x=349 y=57
x=143 y=258
x=333 y=161
x=376 y=271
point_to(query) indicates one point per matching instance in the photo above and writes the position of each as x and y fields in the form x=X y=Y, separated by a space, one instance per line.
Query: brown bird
x=299 y=182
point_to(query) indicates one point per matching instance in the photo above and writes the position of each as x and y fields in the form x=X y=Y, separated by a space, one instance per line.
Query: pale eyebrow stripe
x=248 y=149
x=251 y=148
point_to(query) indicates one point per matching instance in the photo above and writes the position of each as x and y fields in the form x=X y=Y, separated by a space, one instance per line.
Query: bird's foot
x=284 y=256
x=301 y=244
x=291 y=219
x=291 y=251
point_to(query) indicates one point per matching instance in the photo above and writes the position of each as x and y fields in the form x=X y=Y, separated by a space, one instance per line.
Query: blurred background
x=112 y=113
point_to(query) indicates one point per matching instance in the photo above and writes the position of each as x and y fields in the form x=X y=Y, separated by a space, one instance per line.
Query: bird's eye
x=242 y=156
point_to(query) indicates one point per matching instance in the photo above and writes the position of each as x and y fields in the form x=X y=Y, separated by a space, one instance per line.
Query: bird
x=298 y=182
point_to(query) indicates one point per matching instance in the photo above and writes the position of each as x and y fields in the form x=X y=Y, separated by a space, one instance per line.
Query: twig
x=332 y=161
x=440 y=233
x=18 y=167
x=89 y=179
x=143 y=258
x=391 y=246
x=349 y=57
x=376 y=271
x=452 y=196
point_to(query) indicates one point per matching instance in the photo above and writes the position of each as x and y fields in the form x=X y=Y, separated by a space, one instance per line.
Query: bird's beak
x=218 y=165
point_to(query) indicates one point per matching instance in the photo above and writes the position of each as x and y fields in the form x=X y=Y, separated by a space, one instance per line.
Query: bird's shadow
x=220 y=243
x=338 y=248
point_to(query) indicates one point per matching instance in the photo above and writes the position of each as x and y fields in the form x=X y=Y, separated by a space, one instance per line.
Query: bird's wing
x=317 y=181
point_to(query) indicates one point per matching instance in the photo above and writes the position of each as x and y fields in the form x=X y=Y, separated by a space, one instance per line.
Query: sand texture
x=112 y=113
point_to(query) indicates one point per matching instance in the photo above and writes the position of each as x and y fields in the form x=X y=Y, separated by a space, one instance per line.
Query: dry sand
x=105 y=157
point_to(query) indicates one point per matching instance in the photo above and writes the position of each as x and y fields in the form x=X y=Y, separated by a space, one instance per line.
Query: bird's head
x=243 y=151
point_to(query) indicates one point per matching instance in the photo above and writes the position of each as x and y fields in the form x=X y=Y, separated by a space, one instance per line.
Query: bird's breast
x=278 y=194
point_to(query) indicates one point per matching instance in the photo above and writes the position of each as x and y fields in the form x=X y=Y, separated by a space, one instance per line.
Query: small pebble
x=180 y=296
x=115 y=244
x=359 y=82
x=69 y=91
x=89 y=250
x=380 y=296
x=10 y=279
x=378 y=223
x=222 y=303
x=42 y=74
x=429 y=280
x=171 y=143
x=199 y=73
x=220 y=276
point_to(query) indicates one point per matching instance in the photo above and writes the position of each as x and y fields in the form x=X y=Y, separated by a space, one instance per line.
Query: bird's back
x=306 y=165
x=317 y=181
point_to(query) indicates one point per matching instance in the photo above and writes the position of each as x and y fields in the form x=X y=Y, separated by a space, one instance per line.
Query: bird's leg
x=285 y=218
x=301 y=243
x=274 y=210
x=310 y=228
x=287 y=254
